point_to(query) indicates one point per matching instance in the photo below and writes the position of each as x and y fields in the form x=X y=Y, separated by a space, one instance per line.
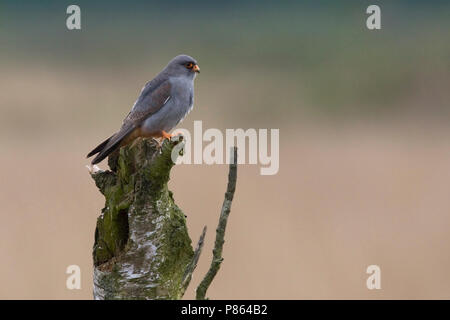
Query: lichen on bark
x=142 y=247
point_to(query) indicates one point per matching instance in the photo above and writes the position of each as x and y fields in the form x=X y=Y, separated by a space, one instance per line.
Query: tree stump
x=142 y=248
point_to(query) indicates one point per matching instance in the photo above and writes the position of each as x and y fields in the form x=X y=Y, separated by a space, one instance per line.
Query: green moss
x=176 y=247
x=138 y=202
x=112 y=226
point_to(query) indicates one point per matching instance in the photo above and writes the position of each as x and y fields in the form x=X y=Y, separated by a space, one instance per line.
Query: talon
x=166 y=135
x=162 y=136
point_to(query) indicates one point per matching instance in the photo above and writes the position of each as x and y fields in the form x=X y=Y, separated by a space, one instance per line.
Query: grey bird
x=163 y=103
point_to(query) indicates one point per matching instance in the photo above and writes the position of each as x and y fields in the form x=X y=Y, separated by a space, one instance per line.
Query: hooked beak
x=196 y=69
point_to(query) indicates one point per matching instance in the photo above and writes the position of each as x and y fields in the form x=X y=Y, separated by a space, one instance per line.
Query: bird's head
x=183 y=65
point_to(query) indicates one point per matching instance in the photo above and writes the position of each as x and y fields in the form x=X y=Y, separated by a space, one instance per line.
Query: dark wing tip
x=90 y=154
x=98 y=148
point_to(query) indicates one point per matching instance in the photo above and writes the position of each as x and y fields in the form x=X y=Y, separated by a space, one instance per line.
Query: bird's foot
x=169 y=136
x=166 y=135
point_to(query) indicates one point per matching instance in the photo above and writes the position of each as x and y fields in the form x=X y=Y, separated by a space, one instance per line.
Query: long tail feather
x=103 y=154
x=98 y=148
x=112 y=144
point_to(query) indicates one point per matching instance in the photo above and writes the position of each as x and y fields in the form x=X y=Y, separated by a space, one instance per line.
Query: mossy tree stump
x=142 y=248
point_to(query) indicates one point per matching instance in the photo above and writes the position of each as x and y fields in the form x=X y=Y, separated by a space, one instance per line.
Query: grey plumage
x=163 y=103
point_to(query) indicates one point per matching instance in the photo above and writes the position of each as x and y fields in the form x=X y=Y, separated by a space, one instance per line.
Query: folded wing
x=152 y=99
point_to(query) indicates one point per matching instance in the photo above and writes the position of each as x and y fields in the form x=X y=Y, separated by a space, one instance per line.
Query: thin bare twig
x=191 y=266
x=220 y=231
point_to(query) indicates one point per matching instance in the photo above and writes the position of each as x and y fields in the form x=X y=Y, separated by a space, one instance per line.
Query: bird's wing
x=150 y=101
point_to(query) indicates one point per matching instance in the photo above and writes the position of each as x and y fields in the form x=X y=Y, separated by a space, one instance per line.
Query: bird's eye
x=189 y=65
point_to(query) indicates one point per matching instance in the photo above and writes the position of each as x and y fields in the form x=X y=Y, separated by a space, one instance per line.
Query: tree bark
x=142 y=248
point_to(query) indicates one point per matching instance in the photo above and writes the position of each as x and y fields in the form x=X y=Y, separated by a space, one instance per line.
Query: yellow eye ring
x=189 y=65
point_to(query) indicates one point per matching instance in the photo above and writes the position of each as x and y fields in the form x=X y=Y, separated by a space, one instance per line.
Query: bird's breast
x=182 y=94
x=182 y=90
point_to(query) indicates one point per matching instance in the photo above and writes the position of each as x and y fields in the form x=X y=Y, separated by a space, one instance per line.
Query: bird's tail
x=105 y=148
x=98 y=148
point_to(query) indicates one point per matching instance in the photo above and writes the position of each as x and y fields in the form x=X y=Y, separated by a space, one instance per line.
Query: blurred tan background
x=364 y=141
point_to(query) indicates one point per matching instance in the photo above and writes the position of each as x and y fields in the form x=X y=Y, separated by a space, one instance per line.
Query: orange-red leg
x=166 y=135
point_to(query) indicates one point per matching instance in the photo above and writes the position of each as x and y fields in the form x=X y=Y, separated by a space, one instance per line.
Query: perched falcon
x=163 y=103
